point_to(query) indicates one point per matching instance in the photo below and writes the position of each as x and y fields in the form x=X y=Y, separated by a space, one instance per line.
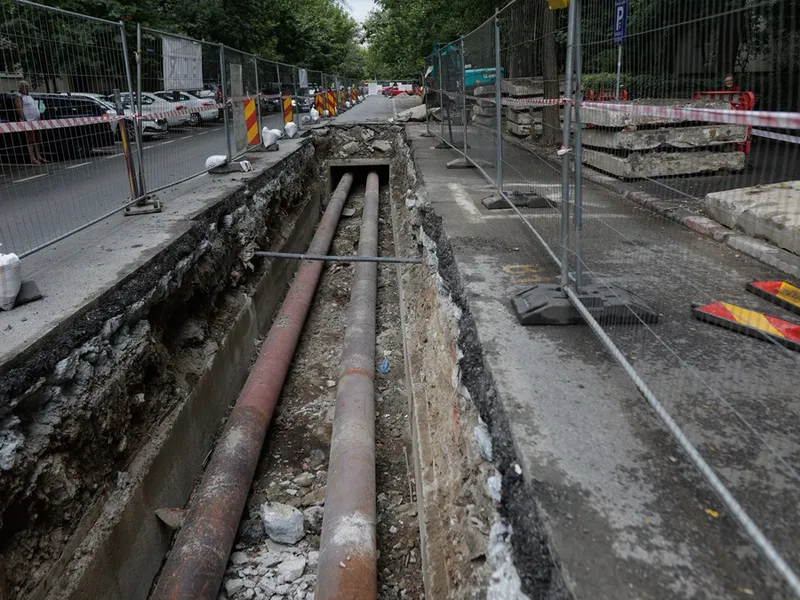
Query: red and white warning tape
x=17 y=127
x=756 y=118
x=781 y=137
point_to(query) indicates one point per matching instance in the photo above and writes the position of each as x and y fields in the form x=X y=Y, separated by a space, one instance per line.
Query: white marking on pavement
x=79 y=165
x=31 y=178
x=202 y=133
x=121 y=153
x=464 y=201
x=186 y=137
x=165 y=143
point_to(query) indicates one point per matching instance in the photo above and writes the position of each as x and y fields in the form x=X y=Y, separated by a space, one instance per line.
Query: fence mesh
x=704 y=121
x=61 y=162
x=479 y=74
x=182 y=90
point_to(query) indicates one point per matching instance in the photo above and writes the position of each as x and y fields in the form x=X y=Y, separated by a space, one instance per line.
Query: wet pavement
x=627 y=514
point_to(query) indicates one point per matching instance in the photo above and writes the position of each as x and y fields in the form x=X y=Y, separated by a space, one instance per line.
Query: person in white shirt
x=28 y=110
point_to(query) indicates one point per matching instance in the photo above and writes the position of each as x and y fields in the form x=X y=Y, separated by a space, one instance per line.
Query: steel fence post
x=138 y=117
x=258 y=98
x=498 y=102
x=565 y=151
x=578 y=150
x=426 y=91
x=464 y=99
x=136 y=189
x=296 y=106
x=441 y=90
x=225 y=99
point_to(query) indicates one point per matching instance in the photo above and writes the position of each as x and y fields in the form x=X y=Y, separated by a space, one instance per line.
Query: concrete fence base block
x=460 y=163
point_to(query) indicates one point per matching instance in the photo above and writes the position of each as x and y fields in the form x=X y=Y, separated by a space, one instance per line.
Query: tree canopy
x=316 y=34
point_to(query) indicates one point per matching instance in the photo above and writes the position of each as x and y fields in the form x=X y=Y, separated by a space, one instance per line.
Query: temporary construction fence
x=123 y=112
x=687 y=108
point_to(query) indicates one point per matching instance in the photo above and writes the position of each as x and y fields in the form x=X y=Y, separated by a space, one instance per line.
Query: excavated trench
x=108 y=428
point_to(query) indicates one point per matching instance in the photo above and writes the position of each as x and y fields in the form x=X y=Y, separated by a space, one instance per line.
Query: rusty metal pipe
x=196 y=564
x=348 y=567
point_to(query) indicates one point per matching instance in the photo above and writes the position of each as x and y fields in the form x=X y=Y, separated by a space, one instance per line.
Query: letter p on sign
x=620 y=20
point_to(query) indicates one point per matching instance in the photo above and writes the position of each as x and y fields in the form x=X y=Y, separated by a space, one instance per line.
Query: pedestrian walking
x=28 y=110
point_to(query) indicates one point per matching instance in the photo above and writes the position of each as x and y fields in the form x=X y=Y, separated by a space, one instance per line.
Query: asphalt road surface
x=38 y=204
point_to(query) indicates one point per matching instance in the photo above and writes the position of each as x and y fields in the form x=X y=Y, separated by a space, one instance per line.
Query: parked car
x=188 y=100
x=153 y=104
x=150 y=127
x=303 y=102
x=62 y=142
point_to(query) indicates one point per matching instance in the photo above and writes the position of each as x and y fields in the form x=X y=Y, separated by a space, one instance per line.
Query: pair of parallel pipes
x=348 y=552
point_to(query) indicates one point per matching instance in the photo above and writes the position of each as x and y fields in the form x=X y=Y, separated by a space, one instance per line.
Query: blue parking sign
x=620 y=20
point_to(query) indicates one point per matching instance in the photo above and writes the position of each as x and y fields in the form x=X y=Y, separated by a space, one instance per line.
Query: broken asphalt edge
x=766 y=253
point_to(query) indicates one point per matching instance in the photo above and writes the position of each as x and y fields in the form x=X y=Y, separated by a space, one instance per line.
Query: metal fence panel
x=532 y=51
x=61 y=159
x=183 y=88
x=480 y=73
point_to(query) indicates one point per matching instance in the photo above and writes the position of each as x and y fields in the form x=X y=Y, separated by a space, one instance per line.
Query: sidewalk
x=76 y=273
x=625 y=513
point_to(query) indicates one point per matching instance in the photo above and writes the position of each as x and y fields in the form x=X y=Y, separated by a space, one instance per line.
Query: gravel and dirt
x=289 y=487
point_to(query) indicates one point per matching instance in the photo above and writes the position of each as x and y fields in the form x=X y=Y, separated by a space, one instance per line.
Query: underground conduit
x=196 y=564
x=348 y=552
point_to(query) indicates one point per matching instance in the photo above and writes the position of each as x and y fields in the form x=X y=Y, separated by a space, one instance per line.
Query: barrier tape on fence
x=781 y=137
x=777 y=120
x=20 y=126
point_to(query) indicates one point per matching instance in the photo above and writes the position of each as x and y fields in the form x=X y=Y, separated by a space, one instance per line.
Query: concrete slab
x=524 y=117
x=665 y=137
x=771 y=212
x=486 y=110
x=520 y=129
x=520 y=87
x=484 y=90
x=664 y=164
x=601 y=118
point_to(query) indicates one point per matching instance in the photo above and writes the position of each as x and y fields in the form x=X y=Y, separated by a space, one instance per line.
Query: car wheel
x=196 y=120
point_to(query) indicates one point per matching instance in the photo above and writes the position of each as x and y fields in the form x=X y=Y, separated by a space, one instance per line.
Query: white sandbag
x=277 y=133
x=327 y=113
x=10 y=280
x=290 y=130
x=347 y=104
x=268 y=137
x=212 y=162
x=314 y=115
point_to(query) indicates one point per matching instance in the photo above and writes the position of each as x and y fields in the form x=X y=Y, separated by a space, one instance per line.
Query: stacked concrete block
x=525 y=117
x=484 y=111
x=632 y=146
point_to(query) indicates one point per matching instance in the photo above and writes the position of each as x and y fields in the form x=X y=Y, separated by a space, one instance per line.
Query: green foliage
x=317 y=34
x=401 y=33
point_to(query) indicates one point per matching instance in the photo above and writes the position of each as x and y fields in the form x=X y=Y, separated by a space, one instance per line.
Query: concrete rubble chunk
x=282 y=523
x=292 y=569
x=232 y=586
x=418 y=113
x=303 y=480
x=664 y=164
x=239 y=558
x=381 y=146
x=771 y=212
